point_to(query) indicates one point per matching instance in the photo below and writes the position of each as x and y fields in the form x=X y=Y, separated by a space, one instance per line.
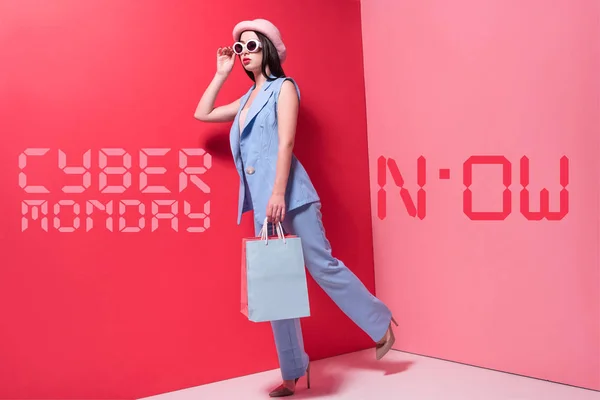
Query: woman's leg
x=344 y=288
x=287 y=333
x=293 y=360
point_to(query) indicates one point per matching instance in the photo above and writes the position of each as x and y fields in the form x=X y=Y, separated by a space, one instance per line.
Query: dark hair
x=270 y=59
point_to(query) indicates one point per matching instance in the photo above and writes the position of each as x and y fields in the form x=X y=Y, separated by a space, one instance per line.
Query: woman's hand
x=276 y=208
x=225 y=60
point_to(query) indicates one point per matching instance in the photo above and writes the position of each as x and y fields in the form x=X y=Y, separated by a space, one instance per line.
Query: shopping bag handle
x=264 y=234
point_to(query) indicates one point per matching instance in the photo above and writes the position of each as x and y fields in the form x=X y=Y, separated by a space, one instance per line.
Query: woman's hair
x=270 y=58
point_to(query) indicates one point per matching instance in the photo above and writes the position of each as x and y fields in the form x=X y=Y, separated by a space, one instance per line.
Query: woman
x=275 y=185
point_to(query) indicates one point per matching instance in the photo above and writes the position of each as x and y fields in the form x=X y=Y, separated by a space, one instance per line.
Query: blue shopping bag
x=273 y=277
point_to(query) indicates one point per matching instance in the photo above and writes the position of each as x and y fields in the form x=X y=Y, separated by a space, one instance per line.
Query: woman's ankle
x=290 y=384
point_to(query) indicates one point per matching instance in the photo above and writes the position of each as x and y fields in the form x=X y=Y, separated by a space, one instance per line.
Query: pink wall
x=483 y=280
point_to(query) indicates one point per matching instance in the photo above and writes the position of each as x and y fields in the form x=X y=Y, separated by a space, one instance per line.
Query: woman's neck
x=259 y=78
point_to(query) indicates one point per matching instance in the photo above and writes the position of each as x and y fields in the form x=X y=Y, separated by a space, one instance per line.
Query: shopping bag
x=274 y=285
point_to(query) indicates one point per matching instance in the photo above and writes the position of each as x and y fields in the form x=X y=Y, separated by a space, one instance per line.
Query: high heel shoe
x=282 y=391
x=382 y=348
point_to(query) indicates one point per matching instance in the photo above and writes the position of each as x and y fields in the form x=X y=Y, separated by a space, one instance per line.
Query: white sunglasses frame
x=245 y=48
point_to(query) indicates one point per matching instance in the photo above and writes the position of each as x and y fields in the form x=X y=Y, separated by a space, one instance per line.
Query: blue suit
x=255 y=151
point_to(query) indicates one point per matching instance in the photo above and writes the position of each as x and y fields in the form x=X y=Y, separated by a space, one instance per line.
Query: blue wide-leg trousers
x=331 y=274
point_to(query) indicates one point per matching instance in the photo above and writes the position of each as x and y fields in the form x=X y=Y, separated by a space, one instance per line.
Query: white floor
x=402 y=376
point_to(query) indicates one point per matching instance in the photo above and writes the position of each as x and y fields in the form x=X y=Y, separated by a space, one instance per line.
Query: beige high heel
x=382 y=348
x=282 y=391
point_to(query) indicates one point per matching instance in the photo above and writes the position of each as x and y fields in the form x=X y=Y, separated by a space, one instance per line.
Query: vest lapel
x=257 y=104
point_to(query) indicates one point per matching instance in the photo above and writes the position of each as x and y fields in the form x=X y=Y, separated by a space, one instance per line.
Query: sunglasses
x=251 y=45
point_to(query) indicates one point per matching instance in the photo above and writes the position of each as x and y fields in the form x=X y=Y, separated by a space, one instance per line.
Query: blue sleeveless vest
x=255 y=155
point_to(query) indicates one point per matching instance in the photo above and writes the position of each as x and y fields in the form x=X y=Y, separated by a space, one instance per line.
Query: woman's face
x=251 y=61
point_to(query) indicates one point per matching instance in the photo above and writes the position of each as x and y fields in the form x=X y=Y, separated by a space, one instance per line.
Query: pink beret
x=266 y=28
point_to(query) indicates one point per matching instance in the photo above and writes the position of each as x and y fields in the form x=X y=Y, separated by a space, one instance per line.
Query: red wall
x=101 y=314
